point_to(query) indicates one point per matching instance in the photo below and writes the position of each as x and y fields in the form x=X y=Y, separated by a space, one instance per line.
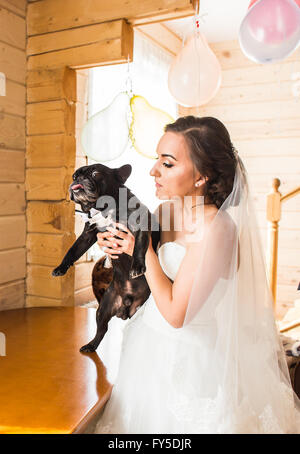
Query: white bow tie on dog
x=98 y=219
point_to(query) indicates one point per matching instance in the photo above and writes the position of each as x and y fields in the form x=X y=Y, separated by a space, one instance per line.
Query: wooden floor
x=46 y=384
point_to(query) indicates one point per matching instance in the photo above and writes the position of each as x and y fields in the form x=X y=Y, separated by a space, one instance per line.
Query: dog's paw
x=88 y=348
x=60 y=270
x=137 y=271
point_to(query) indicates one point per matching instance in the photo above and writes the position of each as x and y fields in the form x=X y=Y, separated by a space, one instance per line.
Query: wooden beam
x=55 y=150
x=51 y=84
x=48 y=184
x=48 y=249
x=84 y=54
x=53 y=117
x=68 y=39
x=53 y=15
x=50 y=217
x=40 y=282
x=163 y=37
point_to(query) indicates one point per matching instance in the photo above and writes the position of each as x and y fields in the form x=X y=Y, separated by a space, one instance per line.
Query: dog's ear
x=123 y=172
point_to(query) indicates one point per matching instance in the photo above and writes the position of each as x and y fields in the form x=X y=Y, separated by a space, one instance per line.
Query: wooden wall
x=12 y=154
x=256 y=103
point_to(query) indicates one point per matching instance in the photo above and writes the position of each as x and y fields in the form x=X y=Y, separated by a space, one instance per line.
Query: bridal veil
x=229 y=354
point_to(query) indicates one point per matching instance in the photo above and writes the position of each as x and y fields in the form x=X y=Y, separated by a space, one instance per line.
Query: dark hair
x=212 y=153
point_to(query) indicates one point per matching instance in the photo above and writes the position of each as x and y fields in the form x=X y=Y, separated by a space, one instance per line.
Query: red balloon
x=254 y=1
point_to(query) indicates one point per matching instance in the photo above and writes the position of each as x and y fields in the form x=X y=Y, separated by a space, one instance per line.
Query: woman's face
x=174 y=172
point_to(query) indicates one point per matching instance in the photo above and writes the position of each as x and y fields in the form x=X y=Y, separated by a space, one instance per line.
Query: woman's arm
x=160 y=286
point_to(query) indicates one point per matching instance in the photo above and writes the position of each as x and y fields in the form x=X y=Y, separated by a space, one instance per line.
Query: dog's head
x=96 y=180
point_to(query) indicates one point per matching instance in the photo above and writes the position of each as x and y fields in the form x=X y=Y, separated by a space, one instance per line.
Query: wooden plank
x=68 y=39
x=82 y=85
x=13 y=63
x=83 y=275
x=275 y=110
x=288 y=275
x=282 y=146
x=12 y=132
x=57 y=150
x=15 y=100
x=48 y=249
x=81 y=115
x=96 y=54
x=13 y=29
x=12 y=295
x=52 y=15
x=15 y=265
x=273 y=165
x=39 y=301
x=15 y=6
x=48 y=183
x=49 y=85
x=259 y=74
x=12 y=199
x=40 y=282
x=259 y=92
x=50 y=217
x=287 y=292
x=53 y=117
x=83 y=295
x=12 y=166
x=80 y=161
x=287 y=239
x=161 y=36
x=12 y=232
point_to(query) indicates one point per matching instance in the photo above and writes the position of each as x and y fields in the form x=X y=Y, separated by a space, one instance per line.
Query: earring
x=197 y=185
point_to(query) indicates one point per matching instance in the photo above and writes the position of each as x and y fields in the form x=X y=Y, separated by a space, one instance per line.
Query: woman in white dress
x=202 y=355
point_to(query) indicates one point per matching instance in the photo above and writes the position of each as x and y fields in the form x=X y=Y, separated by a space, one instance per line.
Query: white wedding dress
x=157 y=391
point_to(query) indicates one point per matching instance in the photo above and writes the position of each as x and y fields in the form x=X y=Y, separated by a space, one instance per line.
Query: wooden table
x=46 y=384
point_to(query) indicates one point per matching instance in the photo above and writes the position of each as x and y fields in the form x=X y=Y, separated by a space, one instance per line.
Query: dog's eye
x=95 y=173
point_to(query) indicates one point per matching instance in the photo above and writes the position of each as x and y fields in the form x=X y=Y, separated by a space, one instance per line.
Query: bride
x=202 y=355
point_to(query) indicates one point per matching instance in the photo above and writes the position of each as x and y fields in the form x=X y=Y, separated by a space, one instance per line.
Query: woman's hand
x=115 y=246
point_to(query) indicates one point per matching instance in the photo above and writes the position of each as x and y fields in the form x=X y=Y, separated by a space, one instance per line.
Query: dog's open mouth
x=77 y=187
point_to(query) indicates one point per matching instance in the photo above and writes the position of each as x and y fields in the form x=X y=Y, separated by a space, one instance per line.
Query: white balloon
x=195 y=74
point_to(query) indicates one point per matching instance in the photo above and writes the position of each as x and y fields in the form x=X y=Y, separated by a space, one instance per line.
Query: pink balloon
x=254 y=1
x=270 y=31
x=272 y=21
x=195 y=73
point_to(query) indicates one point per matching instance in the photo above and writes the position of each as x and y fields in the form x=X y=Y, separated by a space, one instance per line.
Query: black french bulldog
x=93 y=186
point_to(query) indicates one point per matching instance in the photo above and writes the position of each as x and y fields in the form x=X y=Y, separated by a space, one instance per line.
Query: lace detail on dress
x=220 y=416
